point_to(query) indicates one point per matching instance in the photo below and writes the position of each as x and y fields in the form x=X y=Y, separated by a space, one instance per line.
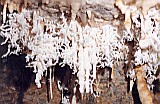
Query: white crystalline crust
x=80 y=47
x=149 y=44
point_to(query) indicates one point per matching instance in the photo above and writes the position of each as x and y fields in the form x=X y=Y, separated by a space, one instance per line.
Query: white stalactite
x=83 y=48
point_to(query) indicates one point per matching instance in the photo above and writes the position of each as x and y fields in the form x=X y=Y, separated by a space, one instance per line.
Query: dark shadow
x=135 y=94
x=156 y=83
x=19 y=76
x=156 y=91
x=128 y=84
x=3 y=50
x=47 y=86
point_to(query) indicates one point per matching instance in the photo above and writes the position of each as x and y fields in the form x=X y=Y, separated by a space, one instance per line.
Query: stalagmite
x=131 y=85
x=144 y=93
x=112 y=72
x=50 y=81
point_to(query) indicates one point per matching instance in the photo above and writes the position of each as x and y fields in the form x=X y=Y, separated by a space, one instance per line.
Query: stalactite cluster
x=96 y=41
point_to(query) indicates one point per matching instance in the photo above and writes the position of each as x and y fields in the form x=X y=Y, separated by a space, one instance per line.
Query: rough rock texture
x=17 y=82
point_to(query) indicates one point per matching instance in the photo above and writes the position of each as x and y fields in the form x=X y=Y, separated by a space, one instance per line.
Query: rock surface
x=17 y=82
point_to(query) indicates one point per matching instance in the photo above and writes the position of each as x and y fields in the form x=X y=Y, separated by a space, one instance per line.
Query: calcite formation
x=86 y=35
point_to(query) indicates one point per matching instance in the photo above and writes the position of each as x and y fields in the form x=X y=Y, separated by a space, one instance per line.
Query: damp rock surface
x=17 y=82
